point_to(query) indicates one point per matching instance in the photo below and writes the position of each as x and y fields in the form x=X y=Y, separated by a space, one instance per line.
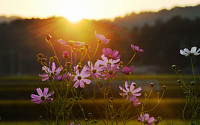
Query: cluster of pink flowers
x=105 y=68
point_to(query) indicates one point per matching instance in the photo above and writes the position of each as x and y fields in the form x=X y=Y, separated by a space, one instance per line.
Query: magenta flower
x=135 y=100
x=71 y=43
x=80 y=78
x=63 y=77
x=130 y=90
x=42 y=97
x=101 y=38
x=110 y=71
x=95 y=70
x=126 y=70
x=65 y=54
x=144 y=118
x=50 y=73
x=111 y=54
x=136 y=48
x=105 y=61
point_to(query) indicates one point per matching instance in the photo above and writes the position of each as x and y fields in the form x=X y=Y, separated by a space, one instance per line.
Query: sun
x=73 y=18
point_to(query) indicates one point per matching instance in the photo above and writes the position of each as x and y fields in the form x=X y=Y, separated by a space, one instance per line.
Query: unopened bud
x=179 y=71
x=48 y=38
x=174 y=67
x=82 y=49
x=40 y=55
x=74 y=49
x=68 y=63
x=51 y=59
x=164 y=87
x=193 y=83
x=65 y=54
x=152 y=84
x=179 y=81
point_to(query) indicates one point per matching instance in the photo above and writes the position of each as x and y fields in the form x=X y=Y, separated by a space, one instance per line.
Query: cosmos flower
x=192 y=52
x=135 y=100
x=63 y=77
x=111 y=54
x=95 y=70
x=130 y=90
x=50 y=73
x=136 y=48
x=80 y=78
x=101 y=38
x=110 y=71
x=71 y=43
x=145 y=119
x=42 y=97
x=105 y=61
x=126 y=70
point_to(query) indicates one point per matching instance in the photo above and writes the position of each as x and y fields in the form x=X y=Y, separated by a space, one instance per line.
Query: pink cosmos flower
x=95 y=70
x=50 y=73
x=105 y=61
x=135 y=100
x=111 y=54
x=145 y=119
x=101 y=38
x=110 y=71
x=42 y=97
x=71 y=43
x=126 y=70
x=80 y=78
x=65 y=54
x=136 y=48
x=63 y=77
x=130 y=90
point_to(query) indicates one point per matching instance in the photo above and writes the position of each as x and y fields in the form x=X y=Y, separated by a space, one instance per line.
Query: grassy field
x=15 y=104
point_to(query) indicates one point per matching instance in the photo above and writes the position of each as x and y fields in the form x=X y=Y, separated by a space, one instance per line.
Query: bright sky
x=75 y=10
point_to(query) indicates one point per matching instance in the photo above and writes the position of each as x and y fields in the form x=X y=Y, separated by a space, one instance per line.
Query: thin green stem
x=131 y=59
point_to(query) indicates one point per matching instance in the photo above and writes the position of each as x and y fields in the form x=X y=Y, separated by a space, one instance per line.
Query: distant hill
x=8 y=19
x=133 y=19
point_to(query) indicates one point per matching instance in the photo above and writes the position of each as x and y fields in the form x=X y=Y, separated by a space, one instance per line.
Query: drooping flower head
x=146 y=119
x=50 y=73
x=95 y=70
x=101 y=38
x=80 y=78
x=126 y=70
x=136 y=48
x=71 y=43
x=192 y=52
x=130 y=90
x=42 y=97
x=111 y=54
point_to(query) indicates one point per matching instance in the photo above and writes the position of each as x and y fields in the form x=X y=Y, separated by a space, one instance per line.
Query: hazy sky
x=75 y=10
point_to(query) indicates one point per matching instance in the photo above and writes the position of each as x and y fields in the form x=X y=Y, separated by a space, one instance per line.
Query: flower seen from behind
x=101 y=38
x=136 y=48
x=111 y=54
x=126 y=70
x=192 y=52
x=146 y=119
x=42 y=97
x=50 y=73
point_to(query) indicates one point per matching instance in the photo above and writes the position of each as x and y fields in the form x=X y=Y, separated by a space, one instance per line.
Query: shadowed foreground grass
x=168 y=122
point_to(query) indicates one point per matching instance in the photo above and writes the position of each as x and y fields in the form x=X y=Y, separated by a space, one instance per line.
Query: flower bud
x=145 y=95
x=152 y=84
x=193 y=83
x=179 y=81
x=51 y=59
x=65 y=54
x=48 y=38
x=179 y=71
x=68 y=63
x=82 y=49
x=164 y=87
x=174 y=67
x=74 y=50
x=40 y=55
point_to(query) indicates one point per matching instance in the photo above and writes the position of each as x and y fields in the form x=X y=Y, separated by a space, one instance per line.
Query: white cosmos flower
x=192 y=52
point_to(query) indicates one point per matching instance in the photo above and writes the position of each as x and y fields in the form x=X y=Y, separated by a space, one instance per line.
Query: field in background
x=15 y=104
